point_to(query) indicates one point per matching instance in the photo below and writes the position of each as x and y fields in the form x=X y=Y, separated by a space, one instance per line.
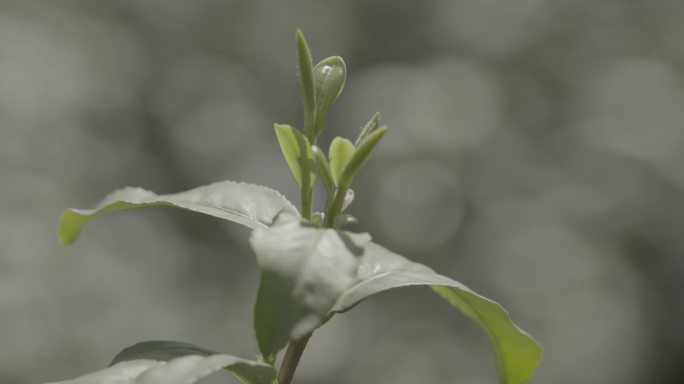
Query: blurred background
x=535 y=153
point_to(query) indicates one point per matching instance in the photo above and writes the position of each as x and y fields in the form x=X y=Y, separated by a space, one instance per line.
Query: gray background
x=535 y=153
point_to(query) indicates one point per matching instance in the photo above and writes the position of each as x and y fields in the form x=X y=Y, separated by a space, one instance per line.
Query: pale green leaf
x=187 y=369
x=517 y=353
x=248 y=204
x=304 y=269
x=297 y=151
x=341 y=151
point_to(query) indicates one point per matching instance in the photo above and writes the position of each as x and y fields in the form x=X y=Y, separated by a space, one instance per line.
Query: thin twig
x=291 y=359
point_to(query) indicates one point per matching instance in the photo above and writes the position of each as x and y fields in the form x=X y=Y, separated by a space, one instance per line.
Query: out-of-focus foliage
x=549 y=131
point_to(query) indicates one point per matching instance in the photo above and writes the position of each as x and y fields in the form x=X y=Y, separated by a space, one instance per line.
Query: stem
x=307 y=198
x=335 y=208
x=291 y=359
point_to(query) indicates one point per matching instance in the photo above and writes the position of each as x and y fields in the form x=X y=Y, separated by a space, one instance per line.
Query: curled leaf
x=329 y=77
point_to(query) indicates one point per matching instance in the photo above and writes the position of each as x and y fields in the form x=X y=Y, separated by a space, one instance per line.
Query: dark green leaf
x=160 y=350
x=297 y=152
x=167 y=362
x=304 y=269
x=517 y=354
x=329 y=78
x=248 y=204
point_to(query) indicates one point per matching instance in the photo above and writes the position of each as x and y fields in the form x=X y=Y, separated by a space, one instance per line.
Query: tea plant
x=311 y=269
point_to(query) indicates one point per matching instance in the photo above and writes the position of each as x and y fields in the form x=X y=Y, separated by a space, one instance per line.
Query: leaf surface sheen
x=311 y=273
x=247 y=204
x=517 y=353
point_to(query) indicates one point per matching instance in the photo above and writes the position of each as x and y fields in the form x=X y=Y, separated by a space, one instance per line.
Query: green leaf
x=247 y=204
x=304 y=269
x=329 y=78
x=351 y=169
x=341 y=151
x=307 y=83
x=297 y=152
x=361 y=155
x=517 y=353
x=168 y=362
x=323 y=169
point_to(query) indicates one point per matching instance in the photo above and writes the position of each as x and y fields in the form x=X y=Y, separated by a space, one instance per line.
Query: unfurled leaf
x=329 y=77
x=187 y=369
x=297 y=151
x=517 y=353
x=304 y=269
x=341 y=151
x=247 y=204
